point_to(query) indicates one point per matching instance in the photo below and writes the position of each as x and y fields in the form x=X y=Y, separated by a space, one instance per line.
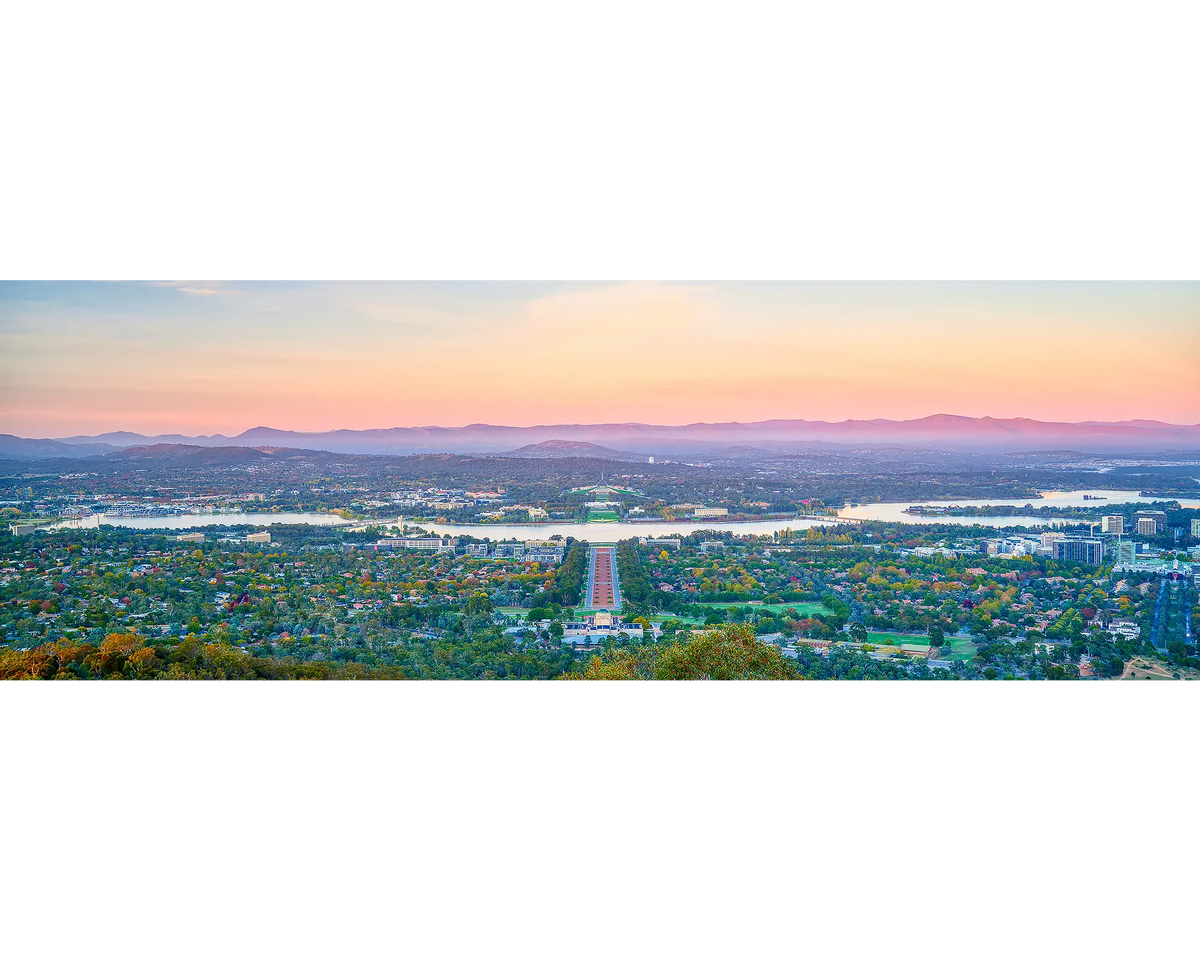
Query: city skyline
x=203 y=358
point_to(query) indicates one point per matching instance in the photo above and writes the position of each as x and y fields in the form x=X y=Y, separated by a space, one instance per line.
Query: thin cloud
x=188 y=287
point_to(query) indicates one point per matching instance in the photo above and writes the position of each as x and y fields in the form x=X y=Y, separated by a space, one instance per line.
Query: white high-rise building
x=1114 y=524
x=1048 y=541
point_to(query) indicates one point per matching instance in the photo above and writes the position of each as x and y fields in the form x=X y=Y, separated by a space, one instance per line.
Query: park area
x=597 y=515
x=806 y=609
x=1143 y=668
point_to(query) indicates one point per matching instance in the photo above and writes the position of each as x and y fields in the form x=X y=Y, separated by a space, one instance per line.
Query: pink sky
x=199 y=357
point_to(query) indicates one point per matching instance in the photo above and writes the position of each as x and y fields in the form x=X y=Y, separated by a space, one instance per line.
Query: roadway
x=603 y=587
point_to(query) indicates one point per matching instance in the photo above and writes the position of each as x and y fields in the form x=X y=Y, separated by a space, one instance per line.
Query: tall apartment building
x=1049 y=540
x=1124 y=551
x=1156 y=517
x=1114 y=524
x=1079 y=550
x=1196 y=528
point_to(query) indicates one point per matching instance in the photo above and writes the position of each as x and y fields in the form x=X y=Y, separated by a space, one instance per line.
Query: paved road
x=603 y=590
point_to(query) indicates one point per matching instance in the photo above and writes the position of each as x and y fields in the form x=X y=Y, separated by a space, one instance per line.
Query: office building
x=1147 y=527
x=262 y=537
x=1157 y=517
x=1196 y=528
x=1125 y=628
x=1123 y=551
x=1049 y=540
x=666 y=543
x=1114 y=525
x=1079 y=550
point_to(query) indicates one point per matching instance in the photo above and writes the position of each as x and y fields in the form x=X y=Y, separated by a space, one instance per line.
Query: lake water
x=1049 y=498
x=610 y=532
x=606 y=532
x=202 y=520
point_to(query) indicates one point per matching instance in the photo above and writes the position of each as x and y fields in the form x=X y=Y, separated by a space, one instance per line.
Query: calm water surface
x=603 y=532
x=1050 y=498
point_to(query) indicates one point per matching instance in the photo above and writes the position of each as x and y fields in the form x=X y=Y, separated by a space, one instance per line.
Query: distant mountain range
x=943 y=431
x=557 y=449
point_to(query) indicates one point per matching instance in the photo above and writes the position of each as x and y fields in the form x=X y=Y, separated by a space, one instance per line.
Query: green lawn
x=960 y=648
x=602 y=516
x=663 y=617
x=879 y=636
x=880 y=639
x=803 y=609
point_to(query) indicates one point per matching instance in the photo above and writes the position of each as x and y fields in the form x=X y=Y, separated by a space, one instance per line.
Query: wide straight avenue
x=603 y=590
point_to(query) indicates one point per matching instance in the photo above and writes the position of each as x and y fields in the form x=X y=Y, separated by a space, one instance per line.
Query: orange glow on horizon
x=194 y=358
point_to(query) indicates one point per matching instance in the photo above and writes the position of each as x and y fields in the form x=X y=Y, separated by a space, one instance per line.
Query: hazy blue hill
x=18 y=448
x=623 y=440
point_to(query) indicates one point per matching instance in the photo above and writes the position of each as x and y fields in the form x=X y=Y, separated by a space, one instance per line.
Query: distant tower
x=649 y=459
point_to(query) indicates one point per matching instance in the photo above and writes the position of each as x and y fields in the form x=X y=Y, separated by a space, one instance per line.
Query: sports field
x=883 y=636
x=918 y=645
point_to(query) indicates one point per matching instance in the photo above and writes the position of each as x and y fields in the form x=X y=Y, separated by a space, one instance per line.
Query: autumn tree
x=731 y=652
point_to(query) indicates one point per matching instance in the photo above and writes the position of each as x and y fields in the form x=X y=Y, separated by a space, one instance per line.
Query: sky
x=198 y=357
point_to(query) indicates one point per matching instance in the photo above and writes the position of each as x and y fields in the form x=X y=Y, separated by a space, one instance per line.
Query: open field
x=663 y=617
x=960 y=649
x=803 y=609
x=602 y=516
x=897 y=640
x=1141 y=668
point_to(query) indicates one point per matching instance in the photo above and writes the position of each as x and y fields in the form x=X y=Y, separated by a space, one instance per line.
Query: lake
x=186 y=520
x=623 y=530
x=610 y=532
x=1049 y=498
